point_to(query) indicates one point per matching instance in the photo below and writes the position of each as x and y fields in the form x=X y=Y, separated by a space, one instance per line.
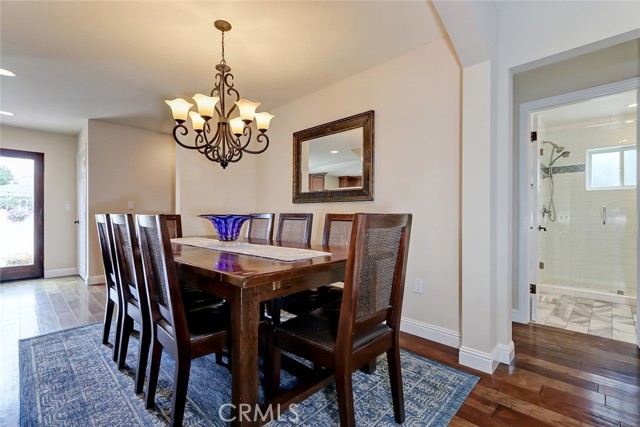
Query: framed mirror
x=333 y=162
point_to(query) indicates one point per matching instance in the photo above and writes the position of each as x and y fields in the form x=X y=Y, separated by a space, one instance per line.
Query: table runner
x=279 y=253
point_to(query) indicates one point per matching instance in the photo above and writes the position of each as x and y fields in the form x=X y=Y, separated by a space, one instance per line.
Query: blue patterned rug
x=67 y=379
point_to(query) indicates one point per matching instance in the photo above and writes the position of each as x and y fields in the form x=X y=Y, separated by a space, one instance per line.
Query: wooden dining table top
x=248 y=270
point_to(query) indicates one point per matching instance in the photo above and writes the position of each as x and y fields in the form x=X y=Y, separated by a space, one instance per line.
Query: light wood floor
x=559 y=377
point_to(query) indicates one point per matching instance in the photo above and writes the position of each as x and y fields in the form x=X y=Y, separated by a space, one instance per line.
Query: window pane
x=629 y=167
x=605 y=169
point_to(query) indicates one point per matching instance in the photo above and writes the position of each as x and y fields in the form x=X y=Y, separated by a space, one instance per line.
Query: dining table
x=246 y=280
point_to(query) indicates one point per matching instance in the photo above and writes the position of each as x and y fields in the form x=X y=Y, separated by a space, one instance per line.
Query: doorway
x=583 y=238
x=21 y=214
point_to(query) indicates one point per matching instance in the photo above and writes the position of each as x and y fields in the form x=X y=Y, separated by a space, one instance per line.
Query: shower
x=557 y=152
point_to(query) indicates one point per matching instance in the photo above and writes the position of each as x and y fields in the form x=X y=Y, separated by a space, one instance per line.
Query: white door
x=81 y=219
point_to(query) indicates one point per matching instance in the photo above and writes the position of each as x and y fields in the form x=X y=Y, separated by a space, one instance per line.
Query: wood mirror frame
x=365 y=121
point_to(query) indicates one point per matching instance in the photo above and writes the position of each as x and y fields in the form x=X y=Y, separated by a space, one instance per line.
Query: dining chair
x=294 y=227
x=343 y=337
x=174 y=224
x=261 y=226
x=105 y=238
x=185 y=335
x=336 y=233
x=190 y=292
x=135 y=302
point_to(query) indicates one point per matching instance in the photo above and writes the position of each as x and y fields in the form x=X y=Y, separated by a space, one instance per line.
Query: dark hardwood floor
x=559 y=378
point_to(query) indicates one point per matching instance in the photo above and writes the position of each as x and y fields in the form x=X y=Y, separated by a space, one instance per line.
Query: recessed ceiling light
x=6 y=113
x=4 y=72
x=334 y=151
x=633 y=105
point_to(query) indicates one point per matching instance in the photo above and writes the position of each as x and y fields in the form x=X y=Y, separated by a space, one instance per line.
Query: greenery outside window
x=611 y=168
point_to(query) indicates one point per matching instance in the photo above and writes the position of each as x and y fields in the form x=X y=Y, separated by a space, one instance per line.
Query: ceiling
x=119 y=60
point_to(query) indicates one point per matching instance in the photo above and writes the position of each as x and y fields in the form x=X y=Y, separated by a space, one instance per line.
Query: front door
x=21 y=214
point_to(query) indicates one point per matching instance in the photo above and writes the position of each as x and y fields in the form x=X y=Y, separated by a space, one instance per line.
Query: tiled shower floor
x=589 y=316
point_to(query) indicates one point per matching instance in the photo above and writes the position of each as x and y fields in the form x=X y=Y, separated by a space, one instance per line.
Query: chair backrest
x=174 y=224
x=294 y=227
x=374 y=280
x=161 y=277
x=128 y=261
x=105 y=238
x=261 y=226
x=337 y=229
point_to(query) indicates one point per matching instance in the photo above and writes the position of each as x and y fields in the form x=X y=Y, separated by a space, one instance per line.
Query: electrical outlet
x=131 y=206
x=418 y=286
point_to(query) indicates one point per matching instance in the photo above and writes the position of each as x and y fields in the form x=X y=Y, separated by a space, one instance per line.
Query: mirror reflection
x=333 y=162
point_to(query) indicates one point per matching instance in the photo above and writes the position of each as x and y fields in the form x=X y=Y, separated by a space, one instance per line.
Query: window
x=611 y=167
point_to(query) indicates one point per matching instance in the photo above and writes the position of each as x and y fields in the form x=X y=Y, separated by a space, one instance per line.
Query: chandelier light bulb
x=247 y=109
x=262 y=121
x=206 y=105
x=179 y=108
x=237 y=126
x=197 y=121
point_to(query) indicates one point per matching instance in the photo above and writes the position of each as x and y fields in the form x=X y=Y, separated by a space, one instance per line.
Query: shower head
x=559 y=156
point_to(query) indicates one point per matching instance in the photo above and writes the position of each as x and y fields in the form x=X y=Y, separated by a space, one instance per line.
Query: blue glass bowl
x=227 y=226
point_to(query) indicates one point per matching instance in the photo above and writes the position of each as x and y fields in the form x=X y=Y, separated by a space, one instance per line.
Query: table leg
x=245 y=318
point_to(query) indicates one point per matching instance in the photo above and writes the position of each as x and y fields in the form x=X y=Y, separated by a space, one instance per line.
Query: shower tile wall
x=577 y=250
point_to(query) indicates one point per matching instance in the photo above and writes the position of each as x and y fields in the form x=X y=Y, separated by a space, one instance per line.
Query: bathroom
x=587 y=216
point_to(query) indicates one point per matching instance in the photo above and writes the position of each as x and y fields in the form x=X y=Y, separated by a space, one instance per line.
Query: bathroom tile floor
x=589 y=316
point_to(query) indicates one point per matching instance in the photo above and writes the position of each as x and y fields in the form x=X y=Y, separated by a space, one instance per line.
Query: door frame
x=527 y=218
x=35 y=270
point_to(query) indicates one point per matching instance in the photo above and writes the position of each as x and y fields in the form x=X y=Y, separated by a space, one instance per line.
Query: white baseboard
x=61 y=272
x=517 y=316
x=506 y=352
x=95 y=280
x=431 y=332
x=479 y=360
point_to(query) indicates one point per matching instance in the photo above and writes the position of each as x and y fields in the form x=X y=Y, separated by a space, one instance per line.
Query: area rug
x=68 y=379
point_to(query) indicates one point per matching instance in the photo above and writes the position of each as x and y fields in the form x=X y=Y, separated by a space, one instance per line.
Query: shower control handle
x=604 y=215
x=541 y=228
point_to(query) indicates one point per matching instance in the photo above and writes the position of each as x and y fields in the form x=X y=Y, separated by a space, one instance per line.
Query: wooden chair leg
x=119 y=321
x=125 y=333
x=344 y=389
x=108 y=316
x=154 y=370
x=395 y=376
x=274 y=311
x=143 y=357
x=180 y=386
x=370 y=367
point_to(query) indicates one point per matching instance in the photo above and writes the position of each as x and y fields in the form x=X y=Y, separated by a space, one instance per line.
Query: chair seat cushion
x=319 y=329
x=307 y=301
x=208 y=319
x=194 y=298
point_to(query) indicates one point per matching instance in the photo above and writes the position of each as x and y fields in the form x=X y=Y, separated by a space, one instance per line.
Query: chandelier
x=225 y=139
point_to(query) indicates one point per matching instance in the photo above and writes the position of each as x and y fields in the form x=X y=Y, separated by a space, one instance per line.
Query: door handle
x=604 y=215
x=77 y=221
x=541 y=228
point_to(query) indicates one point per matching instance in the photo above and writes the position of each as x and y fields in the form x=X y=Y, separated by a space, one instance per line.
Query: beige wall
x=203 y=187
x=416 y=98
x=59 y=191
x=126 y=164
